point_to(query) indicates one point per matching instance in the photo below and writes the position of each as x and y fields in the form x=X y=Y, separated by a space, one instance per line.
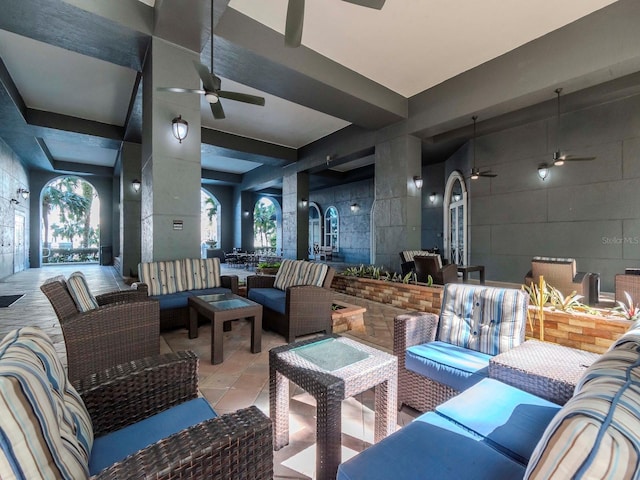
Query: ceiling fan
x=475 y=172
x=295 y=19
x=211 y=84
x=560 y=158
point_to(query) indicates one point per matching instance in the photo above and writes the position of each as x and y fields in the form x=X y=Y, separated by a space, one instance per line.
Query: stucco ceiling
x=71 y=69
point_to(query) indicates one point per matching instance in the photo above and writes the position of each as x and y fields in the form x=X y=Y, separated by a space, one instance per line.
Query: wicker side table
x=547 y=370
x=377 y=369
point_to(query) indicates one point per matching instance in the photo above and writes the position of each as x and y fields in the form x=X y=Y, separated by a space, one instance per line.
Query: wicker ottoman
x=547 y=370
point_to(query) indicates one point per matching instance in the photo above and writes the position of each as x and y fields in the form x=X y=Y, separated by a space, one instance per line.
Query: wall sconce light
x=354 y=207
x=136 y=185
x=304 y=202
x=433 y=197
x=456 y=197
x=418 y=181
x=246 y=213
x=13 y=201
x=180 y=128
x=543 y=171
x=24 y=192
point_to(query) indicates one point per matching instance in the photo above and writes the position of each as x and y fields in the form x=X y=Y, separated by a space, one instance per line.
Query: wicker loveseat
x=496 y=431
x=431 y=266
x=105 y=330
x=438 y=357
x=560 y=273
x=142 y=419
x=406 y=259
x=297 y=300
x=172 y=282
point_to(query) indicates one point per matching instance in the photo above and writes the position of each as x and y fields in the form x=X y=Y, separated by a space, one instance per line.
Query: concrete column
x=130 y=209
x=295 y=216
x=397 y=217
x=171 y=174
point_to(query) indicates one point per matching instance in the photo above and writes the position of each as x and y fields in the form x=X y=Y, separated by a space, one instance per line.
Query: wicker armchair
x=124 y=327
x=629 y=283
x=560 y=273
x=307 y=307
x=234 y=445
x=431 y=265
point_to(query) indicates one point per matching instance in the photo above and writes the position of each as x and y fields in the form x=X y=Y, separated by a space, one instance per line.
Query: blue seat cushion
x=455 y=366
x=512 y=420
x=116 y=446
x=430 y=447
x=271 y=298
x=180 y=299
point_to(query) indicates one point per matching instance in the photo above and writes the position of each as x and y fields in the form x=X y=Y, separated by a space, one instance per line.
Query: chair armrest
x=111 y=334
x=230 y=281
x=413 y=329
x=260 y=281
x=141 y=287
x=309 y=309
x=449 y=273
x=581 y=282
x=132 y=391
x=234 y=445
x=407 y=267
x=528 y=278
x=121 y=296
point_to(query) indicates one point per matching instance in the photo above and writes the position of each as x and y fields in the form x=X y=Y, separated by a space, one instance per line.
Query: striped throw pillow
x=210 y=272
x=597 y=432
x=79 y=290
x=46 y=429
x=160 y=277
x=299 y=272
x=484 y=319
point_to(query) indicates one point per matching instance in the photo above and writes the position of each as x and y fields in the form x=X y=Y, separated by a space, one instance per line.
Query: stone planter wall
x=578 y=330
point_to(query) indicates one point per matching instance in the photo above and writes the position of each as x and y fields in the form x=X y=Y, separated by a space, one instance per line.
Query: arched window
x=209 y=219
x=455 y=220
x=315 y=230
x=265 y=226
x=331 y=229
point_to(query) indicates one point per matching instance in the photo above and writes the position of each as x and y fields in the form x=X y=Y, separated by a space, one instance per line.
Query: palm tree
x=264 y=223
x=88 y=193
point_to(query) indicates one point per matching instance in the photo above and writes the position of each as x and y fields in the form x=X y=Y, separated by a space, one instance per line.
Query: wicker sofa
x=172 y=282
x=438 y=357
x=297 y=300
x=496 y=431
x=142 y=419
x=111 y=328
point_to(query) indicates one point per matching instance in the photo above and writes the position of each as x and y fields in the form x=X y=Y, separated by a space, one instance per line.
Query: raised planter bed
x=347 y=317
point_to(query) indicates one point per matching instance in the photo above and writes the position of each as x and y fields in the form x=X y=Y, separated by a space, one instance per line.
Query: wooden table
x=466 y=269
x=330 y=380
x=221 y=309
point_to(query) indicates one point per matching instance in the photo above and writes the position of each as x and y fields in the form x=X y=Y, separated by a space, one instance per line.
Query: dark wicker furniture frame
x=179 y=317
x=235 y=445
x=417 y=391
x=379 y=370
x=124 y=327
x=428 y=265
x=308 y=308
x=219 y=317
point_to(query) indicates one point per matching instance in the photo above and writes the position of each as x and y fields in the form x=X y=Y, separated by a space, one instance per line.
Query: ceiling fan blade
x=377 y=4
x=295 y=20
x=180 y=90
x=205 y=76
x=241 y=97
x=217 y=110
x=570 y=158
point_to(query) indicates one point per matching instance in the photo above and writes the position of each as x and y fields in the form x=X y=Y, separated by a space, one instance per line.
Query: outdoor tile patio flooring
x=242 y=378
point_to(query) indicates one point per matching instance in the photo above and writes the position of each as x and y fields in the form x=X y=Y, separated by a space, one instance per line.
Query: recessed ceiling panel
x=56 y=80
x=78 y=153
x=412 y=45
x=361 y=162
x=219 y=163
x=279 y=121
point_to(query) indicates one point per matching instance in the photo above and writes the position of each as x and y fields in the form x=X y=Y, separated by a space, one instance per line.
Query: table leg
x=193 y=323
x=216 y=341
x=256 y=333
x=328 y=433
x=386 y=403
x=482 y=275
x=279 y=407
x=465 y=276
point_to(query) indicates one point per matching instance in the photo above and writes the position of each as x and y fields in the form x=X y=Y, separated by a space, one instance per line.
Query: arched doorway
x=455 y=220
x=70 y=221
x=332 y=229
x=210 y=215
x=315 y=230
x=265 y=232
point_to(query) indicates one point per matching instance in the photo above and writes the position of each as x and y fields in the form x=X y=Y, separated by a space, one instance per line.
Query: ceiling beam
x=236 y=146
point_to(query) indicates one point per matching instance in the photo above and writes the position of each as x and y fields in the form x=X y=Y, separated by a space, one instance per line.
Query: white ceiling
x=412 y=45
x=72 y=152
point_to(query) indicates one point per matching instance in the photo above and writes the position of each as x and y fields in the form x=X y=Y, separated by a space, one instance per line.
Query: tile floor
x=241 y=380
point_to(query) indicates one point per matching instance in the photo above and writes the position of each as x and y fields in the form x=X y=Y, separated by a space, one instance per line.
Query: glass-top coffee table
x=221 y=309
x=331 y=368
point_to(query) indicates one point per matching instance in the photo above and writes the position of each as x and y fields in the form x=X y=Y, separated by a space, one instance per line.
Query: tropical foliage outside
x=70 y=221
x=264 y=224
x=209 y=226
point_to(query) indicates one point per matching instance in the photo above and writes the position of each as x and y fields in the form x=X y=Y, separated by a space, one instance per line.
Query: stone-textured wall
x=586 y=210
x=577 y=330
x=13 y=176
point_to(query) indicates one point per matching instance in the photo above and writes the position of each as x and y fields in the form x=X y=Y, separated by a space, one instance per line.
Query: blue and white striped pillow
x=299 y=272
x=45 y=427
x=79 y=290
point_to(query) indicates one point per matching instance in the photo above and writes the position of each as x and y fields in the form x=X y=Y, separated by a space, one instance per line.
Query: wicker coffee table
x=548 y=370
x=331 y=368
x=221 y=309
